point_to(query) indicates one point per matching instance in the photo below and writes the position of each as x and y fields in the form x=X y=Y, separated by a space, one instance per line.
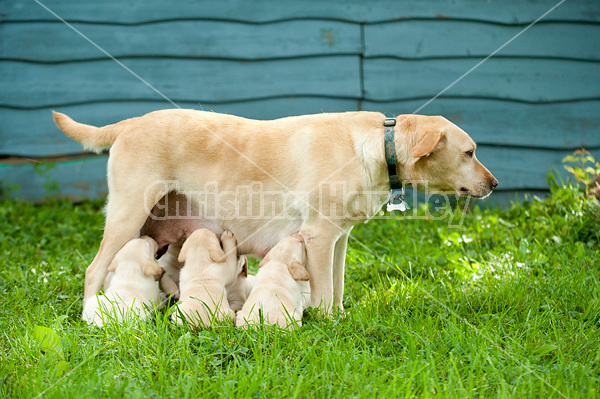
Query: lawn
x=505 y=306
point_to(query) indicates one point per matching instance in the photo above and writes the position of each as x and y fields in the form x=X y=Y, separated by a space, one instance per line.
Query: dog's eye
x=469 y=154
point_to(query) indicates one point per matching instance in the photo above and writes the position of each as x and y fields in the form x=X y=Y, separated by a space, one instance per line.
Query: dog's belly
x=175 y=217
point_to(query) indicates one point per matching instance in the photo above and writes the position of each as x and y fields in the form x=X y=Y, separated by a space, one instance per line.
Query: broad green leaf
x=60 y=368
x=48 y=340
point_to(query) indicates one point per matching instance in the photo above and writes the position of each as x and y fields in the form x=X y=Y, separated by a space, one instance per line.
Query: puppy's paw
x=228 y=237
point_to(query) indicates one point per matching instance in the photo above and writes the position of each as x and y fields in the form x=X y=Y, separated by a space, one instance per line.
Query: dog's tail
x=91 y=137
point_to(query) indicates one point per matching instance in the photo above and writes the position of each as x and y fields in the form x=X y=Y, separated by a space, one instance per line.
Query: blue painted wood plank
x=562 y=126
x=76 y=180
x=447 y=38
x=516 y=169
x=33 y=132
x=532 y=80
x=136 y=11
x=53 y=41
x=523 y=168
x=47 y=85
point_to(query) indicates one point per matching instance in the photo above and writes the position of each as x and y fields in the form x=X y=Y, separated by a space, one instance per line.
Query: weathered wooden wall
x=537 y=100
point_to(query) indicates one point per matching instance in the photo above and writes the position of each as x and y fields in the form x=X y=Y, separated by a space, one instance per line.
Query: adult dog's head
x=439 y=157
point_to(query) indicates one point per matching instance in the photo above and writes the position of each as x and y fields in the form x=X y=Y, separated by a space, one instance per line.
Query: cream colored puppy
x=169 y=282
x=282 y=289
x=204 y=278
x=238 y=293
x=131 y=288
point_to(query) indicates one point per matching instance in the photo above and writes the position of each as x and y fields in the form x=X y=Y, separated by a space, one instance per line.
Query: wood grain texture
x=36 y=85
x=75 y=180
x=531 y=80
x=137 y=11
x=33 y=132
x=447 y=38
x=53 y=41
x=561 y=126
x=516 y=169
x=523 y=168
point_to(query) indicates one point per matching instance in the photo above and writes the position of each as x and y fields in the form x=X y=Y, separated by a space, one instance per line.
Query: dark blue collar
x=390 y=154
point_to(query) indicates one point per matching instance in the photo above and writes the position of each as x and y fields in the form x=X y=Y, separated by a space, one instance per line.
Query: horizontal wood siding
x=182 y=39
x=517 y=169
x=453 y=39
x=33 y=132
x=262 y=11
x=76 y=180
x=568 y=125
x=28 y=85
x=534 y=102
x=525 y=80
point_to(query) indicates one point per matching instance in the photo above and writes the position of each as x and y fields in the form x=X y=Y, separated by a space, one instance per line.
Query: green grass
x=505 y=306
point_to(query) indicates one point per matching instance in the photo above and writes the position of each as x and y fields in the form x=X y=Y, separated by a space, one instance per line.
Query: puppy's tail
x=91 y=137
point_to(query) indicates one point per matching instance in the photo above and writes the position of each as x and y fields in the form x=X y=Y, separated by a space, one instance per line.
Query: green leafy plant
x=585 y=169
x=44 y=170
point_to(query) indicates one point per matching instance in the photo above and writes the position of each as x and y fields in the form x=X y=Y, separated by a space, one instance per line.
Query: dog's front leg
x=320 y=244
x=339 y=266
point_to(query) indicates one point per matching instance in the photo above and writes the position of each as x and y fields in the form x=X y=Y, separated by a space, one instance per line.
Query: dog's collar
x=396 y=201
x=390 y=153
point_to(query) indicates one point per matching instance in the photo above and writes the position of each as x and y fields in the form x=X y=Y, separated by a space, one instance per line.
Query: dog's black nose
x=494 y=183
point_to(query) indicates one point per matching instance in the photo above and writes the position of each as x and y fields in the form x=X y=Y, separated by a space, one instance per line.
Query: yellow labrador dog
x=317 y=174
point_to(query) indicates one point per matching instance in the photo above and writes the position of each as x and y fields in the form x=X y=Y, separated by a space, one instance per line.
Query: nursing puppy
x=169 y=282
x=204 y=278
x=282 y=289
x=131 y=288
x=238 y=293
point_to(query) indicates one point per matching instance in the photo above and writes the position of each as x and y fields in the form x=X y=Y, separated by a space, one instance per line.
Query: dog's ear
x=426 y=144
x=151 y=268
x=113 y=266
x=243 y=265
x=215 y=252
x=298 y=272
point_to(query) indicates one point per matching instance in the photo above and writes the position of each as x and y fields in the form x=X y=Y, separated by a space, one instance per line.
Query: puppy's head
x=440 y=157
x=139 y=251
x=291 y=252
x=202 y=241
x=288 y=250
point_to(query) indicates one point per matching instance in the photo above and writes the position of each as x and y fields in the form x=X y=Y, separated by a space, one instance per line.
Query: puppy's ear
x=151 y=268
x=215 y=253
x=264 y=261
x=426 y=144
x=298 y=272
x=182 y=253
x=243 y=264
x=113 y=266
x=152 y=243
